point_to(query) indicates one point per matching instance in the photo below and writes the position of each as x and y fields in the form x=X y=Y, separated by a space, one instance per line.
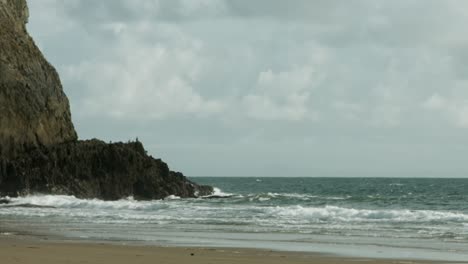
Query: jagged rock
x=39 y=150
x=94 y=169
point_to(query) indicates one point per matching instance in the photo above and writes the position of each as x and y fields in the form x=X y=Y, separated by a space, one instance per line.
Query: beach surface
x=27 y=250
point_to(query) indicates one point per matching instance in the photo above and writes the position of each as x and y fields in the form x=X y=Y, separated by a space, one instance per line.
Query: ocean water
x=373 y=217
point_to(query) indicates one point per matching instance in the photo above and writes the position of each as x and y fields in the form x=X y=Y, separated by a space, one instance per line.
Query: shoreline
x=373 y=252
x=31 y=249
x=61 y=227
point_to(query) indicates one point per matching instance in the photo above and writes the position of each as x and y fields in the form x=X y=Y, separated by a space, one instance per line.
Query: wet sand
x=26 y=250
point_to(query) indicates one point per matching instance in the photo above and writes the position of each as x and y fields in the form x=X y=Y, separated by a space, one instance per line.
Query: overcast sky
x=268 y=87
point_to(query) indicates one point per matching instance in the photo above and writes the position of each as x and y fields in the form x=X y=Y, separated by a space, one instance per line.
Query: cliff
x=34 y=110
x=39 y=149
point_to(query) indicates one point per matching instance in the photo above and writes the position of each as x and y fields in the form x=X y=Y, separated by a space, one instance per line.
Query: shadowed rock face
x=94 y=169
x=39 y=150
x=34 y=110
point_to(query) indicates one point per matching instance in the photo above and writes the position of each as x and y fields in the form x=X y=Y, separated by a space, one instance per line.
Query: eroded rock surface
x=34 y=110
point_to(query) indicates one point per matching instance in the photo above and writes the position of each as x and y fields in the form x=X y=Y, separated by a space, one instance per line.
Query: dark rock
x=39 y=150
x=4 y=201
x=94 y=169
x=217 y=196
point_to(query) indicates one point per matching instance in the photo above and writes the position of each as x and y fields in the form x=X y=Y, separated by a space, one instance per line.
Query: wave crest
x=340 y=214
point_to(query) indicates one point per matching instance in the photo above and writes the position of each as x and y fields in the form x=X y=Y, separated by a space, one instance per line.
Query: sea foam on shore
x=425 y=216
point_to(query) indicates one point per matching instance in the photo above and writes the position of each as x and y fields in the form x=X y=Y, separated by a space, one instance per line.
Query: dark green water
x=358 y=193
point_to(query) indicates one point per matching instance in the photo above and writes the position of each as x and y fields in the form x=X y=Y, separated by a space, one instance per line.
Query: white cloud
x=435 y=102
x=282 y=96
x=210 y=7
x=386 y=115
x=265 y=108
x=115 y=27
x=454 y=108
x=152 y=52
x=387 y=106
x=462 y=116
x=348 y=110
x=148 y=80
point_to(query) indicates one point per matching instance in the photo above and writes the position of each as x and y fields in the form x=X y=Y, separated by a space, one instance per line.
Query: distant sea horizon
x=339 y=177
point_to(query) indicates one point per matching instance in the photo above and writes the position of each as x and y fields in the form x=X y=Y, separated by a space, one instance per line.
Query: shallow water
x=416 y=218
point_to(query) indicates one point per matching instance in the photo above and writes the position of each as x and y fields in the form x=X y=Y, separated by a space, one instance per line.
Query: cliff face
x=34 y=110
x=39 y=150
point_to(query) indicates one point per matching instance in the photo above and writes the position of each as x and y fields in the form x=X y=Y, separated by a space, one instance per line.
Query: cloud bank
x=302 y=88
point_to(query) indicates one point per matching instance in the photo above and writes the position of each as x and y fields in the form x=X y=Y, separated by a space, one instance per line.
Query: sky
x=323 y=88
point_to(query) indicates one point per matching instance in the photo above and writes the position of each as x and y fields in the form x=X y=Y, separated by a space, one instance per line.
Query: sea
x=359 y=217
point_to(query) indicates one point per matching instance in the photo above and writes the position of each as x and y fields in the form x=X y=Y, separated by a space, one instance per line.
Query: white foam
x=297 y=212
x=238 y=214
x=172 y=197
x=297 y=196
x=219 y=193
x=64 y=201
x=255 y=196
x=334 y=213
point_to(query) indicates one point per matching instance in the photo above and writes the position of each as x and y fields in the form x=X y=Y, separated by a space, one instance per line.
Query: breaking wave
x=175 y=208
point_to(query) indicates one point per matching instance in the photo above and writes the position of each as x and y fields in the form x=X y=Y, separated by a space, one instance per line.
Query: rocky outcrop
x=94 y=169
x=34 y=110
x=39 y=150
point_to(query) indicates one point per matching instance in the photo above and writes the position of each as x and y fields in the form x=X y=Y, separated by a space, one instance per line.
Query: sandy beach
x=26 y=250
